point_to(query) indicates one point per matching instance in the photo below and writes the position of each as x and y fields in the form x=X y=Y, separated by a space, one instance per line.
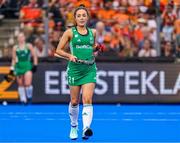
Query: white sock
x=87 y=115
x=73 y=114
x=22 y=94
x=29 y=91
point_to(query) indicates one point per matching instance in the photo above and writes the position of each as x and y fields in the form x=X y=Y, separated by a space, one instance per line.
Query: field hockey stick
x=9 y=77
x=91 y=62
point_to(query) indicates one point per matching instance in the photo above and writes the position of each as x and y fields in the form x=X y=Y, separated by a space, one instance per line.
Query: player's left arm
x=35 y=58
x=97 y=46
x=94 y=34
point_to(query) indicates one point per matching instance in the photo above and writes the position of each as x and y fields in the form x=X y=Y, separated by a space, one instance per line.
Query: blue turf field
x=112 y=123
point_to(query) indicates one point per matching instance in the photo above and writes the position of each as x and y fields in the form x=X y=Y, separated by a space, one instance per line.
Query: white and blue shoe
x=73 y=133
x=87 y=132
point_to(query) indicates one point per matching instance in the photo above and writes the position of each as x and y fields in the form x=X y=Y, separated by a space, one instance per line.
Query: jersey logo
x=76 y=35
x=91 y=40
x=79 y=40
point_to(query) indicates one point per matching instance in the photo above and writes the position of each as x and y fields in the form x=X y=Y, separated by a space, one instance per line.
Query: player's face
x=81 y=17
x=21 y=38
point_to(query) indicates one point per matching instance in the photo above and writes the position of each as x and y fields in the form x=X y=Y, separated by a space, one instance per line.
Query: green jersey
x=81 y=46
x=23 y=63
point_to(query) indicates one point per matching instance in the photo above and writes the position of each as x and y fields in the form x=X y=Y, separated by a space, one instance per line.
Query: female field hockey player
x=80 y=76
x=22 y=67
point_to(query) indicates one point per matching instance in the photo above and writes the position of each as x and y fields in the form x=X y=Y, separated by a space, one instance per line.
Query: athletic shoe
x=87 y=132
x=73 y=133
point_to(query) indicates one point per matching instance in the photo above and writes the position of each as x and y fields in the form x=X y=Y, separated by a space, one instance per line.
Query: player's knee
x=74 y=102
x=87 y=100
x=20 y=83
x=27 y=84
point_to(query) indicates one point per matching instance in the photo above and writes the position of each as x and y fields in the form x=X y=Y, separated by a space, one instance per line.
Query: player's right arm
x=97 y=47
x=10 y=76
x=66 y=37
x=13 y=62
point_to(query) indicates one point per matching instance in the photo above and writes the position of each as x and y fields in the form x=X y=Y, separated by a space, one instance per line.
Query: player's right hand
x=11 y=72
x=73 y=58
x=10 y=76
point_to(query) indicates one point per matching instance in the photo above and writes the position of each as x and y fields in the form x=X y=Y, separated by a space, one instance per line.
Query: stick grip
x=78 y=61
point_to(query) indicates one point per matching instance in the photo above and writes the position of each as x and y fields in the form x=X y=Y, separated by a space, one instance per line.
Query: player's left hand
x=34 y=68
x=100 y=48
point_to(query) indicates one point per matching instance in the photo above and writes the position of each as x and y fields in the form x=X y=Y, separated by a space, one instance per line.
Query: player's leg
x=74 y=111
x=21 y=89
x=28 y=84
x=87 y=113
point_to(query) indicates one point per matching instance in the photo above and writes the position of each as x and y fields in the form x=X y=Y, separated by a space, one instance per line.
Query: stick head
x=9 y=77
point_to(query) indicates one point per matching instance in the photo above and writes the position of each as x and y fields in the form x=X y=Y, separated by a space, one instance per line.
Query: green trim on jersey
x=23 y=63
x=82 y=47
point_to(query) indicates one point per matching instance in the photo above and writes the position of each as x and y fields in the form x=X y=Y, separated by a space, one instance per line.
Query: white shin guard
x=87 y=115
x=29 y=91
x=22 y=94
x=73 y=114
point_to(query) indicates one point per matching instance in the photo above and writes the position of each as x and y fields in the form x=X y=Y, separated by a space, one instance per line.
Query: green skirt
x=79 y=74
x=22 y=67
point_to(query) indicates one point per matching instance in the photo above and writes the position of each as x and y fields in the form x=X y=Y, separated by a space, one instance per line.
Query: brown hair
x=79 y=8
x=74 y=14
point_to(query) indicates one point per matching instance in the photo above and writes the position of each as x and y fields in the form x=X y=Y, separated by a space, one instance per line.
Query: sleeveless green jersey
x=81 y=46
x=23 y=63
